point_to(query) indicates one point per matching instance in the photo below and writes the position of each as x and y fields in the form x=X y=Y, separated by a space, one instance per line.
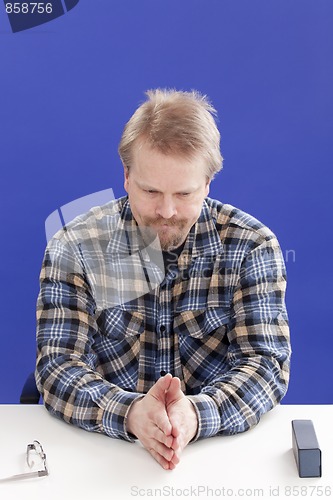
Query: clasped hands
x=164 y=420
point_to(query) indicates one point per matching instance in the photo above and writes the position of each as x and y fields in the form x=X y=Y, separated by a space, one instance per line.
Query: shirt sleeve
x=66 y=374
x=259 y=348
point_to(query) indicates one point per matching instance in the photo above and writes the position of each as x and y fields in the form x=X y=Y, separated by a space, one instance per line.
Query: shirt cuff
x=115 y=415
x=209 y=420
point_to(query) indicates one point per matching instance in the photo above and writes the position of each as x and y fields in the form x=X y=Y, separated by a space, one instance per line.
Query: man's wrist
x=129 y=422
x=208 y=416
x=130 y=418
x=194 y=420
x=115 y=414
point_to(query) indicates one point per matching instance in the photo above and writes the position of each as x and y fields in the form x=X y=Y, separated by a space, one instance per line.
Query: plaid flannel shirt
x=217 y=320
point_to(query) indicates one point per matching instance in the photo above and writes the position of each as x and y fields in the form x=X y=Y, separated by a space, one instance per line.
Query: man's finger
x=174 y=392
x=161 y=460
x=176 y=457
x=160 y=436
x=160 y=387
x=162 y=422
x=161 y=449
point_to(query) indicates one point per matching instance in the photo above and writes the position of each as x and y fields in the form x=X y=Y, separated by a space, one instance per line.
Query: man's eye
x=150 y=191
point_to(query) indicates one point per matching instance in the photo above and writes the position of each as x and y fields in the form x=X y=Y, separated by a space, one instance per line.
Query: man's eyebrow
x=148 y=187
x=143 y=185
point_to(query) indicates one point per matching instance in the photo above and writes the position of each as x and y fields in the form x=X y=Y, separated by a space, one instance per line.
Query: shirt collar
x=124 y=234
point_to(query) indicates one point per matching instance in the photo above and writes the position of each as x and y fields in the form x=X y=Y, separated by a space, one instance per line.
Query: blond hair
x=176 y=123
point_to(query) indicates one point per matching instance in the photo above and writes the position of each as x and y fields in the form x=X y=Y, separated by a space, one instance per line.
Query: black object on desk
x=306 y=448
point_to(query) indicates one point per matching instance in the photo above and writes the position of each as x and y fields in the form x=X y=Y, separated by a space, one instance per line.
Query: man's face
x=165 y=193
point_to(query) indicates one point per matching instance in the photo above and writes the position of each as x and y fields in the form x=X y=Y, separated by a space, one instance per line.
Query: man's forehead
x=144 y=152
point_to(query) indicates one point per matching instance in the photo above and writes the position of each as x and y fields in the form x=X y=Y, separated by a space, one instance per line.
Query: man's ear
x=207 y=187
x=126 y=180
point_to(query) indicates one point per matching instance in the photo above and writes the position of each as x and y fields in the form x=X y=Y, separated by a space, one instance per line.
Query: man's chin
x=167 y=237
x=168 y=244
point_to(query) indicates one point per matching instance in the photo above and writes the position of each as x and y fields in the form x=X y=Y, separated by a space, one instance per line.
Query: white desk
x=256 y=464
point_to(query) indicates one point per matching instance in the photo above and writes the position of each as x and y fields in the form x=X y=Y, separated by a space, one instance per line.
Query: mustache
x=168 y=222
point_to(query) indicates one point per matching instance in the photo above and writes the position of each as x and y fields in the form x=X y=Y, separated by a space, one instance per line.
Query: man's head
x=170 y=149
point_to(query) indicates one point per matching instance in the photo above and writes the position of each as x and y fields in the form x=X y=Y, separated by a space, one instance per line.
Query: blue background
x=68 y=87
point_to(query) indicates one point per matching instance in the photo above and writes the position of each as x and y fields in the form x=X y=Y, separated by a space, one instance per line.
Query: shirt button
x=162 y=373
x=162 y=328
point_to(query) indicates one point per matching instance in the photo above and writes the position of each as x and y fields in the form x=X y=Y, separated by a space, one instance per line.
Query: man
x=167 y=350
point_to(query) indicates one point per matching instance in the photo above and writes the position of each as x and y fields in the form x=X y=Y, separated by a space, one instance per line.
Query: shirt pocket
x=199 y=324
x=203 y=345
x=119 y=324
x=118 y=346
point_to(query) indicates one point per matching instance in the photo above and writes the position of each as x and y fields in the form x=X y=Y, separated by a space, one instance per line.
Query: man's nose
x=166 y=208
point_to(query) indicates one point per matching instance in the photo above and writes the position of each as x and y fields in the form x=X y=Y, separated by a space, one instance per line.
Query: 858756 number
x=28 y=8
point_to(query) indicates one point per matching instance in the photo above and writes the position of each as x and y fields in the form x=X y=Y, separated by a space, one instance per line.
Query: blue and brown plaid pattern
x=110 y=321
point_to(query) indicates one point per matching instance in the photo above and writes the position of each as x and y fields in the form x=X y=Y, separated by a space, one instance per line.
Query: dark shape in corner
x=70 y=4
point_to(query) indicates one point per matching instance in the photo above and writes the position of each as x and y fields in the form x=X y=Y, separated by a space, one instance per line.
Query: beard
x=171 y=233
